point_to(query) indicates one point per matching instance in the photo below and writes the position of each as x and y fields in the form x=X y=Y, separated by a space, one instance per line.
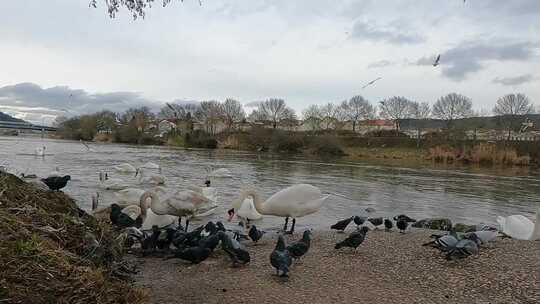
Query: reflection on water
x=466 y=194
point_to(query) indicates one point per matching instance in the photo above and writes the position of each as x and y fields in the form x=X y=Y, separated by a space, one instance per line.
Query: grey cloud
x=75 y=101
x=511 y=81
x=469 y=57
x=364 y=30
x=380 y=64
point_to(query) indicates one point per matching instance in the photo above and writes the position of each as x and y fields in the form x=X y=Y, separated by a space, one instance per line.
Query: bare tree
x=420 y=111
x=511 y=108
x=312 y=117
x=209 y=114
x=137 y=8
x=274 y=110
x=171 y=111
x=395 y=108
x=331 y=114
x=232 y=112
x=138 y=117
x=451 y=107
x=356 y=109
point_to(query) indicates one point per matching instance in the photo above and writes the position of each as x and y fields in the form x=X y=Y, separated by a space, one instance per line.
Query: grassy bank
x=379 y=146
x=53 y=252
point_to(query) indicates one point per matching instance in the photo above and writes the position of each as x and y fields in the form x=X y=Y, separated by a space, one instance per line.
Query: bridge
x=25 y=126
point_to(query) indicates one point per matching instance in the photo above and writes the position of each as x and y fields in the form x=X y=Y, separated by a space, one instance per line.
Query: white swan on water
x=132 y=196
x=295 y=201
x=519 y=227
x=125 y=168
x=111 y=183
x=40 y=151
x=151 y=165
x=149 y=178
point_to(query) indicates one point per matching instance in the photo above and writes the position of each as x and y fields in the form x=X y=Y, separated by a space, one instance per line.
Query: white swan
x=520 y=227
x=181 y=203
x=150 y=218
x=111 y=183
x=132 y=196
x=220 y=173
x=40 y=151
x=151 y=165
x=149 y=178
x=125 y=168
x=245 y=210
x=56 y=172
x=295 y=201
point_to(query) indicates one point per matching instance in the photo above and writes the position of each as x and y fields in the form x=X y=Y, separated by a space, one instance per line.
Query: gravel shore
x=388 y=267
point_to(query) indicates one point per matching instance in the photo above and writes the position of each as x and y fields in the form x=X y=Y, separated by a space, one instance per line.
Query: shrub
x=325 y=146
x=200 y=139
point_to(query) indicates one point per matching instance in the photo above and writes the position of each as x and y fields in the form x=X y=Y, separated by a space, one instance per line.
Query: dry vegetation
x=483 y=153
x=53 y=252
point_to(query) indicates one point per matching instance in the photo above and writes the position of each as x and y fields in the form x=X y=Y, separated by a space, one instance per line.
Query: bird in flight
x=371 y=82
x=436 y=63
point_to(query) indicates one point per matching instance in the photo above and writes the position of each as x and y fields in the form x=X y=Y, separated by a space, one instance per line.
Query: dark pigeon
x=359 y=220
x=55 y=183
x=301 y=247
x=444 y=243
x=194 y=254
x=149 y=243
x=354 y=239
x=210 y=242
x=402 y=224
x=388 y=225
x=165 y=239
x=341 y=225
x=404 y=217
x=463 y=249
x=376 y=221
x=220 y=226
x=236 y=251
x=280 y=258
x=254 y=234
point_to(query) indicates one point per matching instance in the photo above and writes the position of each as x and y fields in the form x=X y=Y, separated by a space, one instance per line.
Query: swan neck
x=143 y=202
x=257 y=202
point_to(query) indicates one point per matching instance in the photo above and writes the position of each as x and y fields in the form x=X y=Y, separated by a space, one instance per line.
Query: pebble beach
x=388 y=267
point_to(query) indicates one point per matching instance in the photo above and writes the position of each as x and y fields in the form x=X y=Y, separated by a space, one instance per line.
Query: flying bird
x=371 y=82
x=436 y=63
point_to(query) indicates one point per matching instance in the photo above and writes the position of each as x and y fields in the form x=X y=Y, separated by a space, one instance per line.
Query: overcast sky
x=65 y=56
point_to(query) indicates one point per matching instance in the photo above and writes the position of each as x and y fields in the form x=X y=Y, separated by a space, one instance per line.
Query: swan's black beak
x=230 y=212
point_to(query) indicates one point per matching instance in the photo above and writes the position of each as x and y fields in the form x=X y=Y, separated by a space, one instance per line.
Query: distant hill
x=5 y=117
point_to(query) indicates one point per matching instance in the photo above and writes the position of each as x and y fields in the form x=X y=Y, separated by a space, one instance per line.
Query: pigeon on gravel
x=359 y=220
x=236 y=251
x=280 y=258
x=376 y=221
x=402 y=224
x=194 y=254
x=301 y=247
x=354 y=239
x=341 y=225
x=388 y=225
x=254 y=234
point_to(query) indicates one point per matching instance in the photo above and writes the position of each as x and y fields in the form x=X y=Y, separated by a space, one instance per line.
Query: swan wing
x=162 y=221
x=297 y=200
x=132 y=211
x=517 y=226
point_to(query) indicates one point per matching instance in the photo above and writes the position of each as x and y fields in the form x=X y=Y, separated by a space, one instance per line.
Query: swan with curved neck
x=182 y=203
x=521 y=228
x=150 y=218
x=295 y=201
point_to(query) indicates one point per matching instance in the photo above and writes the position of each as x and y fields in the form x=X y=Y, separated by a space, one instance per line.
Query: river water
x=467 y=195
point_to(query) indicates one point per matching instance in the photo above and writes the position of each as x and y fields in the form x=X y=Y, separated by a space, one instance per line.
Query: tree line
x=131 y=125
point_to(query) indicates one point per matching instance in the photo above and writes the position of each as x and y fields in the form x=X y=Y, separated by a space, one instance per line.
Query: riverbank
x=387 y=267
x=53 y=252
